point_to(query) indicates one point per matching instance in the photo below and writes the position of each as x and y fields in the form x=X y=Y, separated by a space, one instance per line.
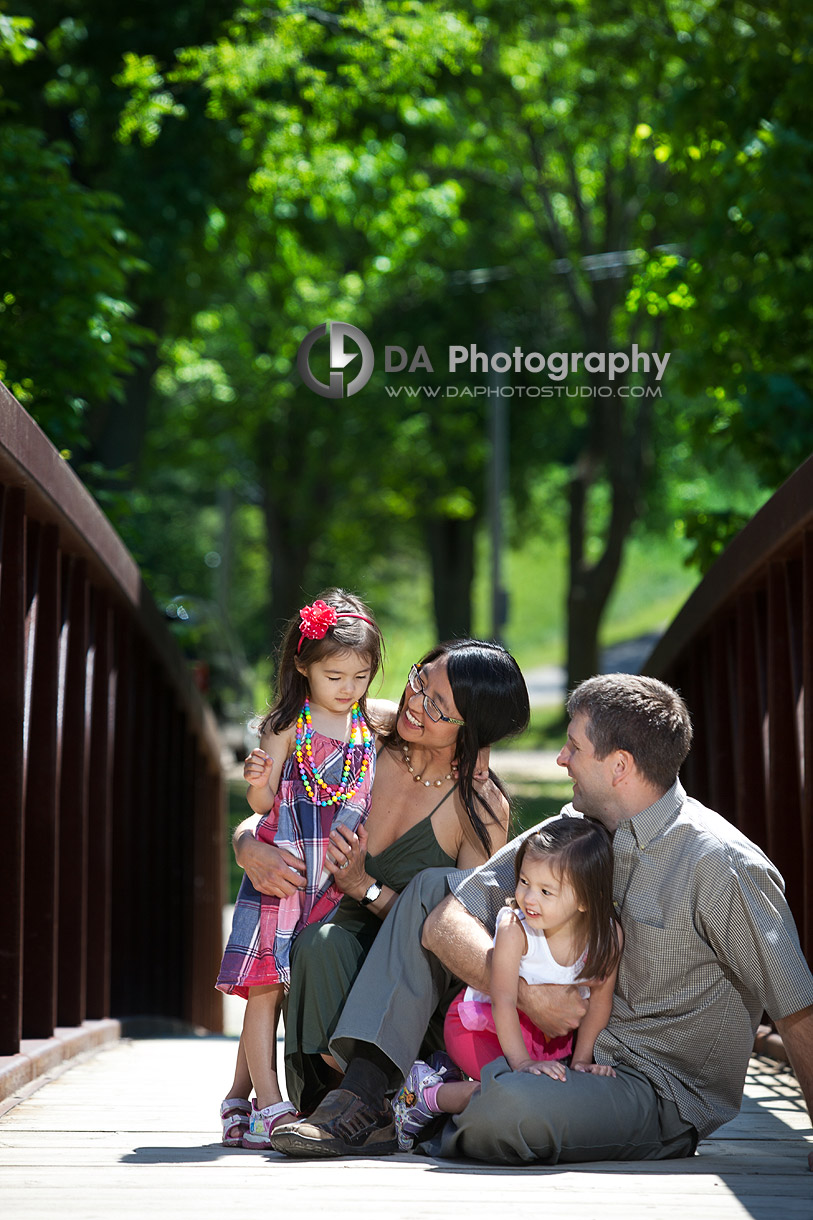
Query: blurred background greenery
x=187 y=190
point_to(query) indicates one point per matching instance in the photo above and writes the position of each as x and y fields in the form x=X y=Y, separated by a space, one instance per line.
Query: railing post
x=12 y=775
x=127 y=773
x=100 y=814
x=749 y=773
x=721 y=715
x=806 y=916
x=782 y=798
x=42 y=763
x=73 y=824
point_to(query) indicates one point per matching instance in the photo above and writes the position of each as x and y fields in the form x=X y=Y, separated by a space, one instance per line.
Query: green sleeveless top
x=395 y=866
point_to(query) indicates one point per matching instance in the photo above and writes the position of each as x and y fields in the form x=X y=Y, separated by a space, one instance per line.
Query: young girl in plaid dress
x=313 y=770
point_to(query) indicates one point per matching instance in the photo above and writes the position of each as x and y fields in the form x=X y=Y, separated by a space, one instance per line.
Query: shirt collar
x=651 y=822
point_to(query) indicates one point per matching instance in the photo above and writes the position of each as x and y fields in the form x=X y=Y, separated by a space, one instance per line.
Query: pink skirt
x=471 y=1037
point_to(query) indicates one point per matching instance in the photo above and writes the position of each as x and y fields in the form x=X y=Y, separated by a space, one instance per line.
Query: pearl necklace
x=427 y=783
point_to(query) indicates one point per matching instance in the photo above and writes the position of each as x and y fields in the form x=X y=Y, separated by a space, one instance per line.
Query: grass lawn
x=532 y=802
x=652 y=587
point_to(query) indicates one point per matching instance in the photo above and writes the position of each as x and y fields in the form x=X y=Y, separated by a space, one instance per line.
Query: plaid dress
x=263 y=927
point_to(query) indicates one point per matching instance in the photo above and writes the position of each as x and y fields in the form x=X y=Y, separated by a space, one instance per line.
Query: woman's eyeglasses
x=429 y=706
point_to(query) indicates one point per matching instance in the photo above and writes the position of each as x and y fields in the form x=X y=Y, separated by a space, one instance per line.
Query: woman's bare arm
x=269 y=869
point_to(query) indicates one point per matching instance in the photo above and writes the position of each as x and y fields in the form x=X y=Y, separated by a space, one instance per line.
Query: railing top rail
x=769 y=533
x=56 y=495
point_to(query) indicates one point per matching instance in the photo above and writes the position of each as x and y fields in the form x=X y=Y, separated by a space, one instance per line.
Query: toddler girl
x=558 y=929
x=313 y=770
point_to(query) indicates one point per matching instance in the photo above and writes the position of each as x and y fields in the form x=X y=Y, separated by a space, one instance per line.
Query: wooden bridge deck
x=133 y=1132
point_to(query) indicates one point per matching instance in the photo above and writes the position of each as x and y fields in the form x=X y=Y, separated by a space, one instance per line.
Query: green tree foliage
x=515 y=131
x=577 y=177
x=145 y=193
x=343 y=224
x=736 y=138
x=66 y=321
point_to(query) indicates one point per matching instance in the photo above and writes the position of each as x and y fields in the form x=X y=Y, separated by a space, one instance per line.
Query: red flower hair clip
x=315 y=620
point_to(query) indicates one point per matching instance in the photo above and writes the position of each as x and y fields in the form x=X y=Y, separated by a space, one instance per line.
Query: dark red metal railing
x=741 y=653
x=111 y=809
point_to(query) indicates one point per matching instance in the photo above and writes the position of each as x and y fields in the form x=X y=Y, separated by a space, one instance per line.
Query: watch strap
x=373 y=892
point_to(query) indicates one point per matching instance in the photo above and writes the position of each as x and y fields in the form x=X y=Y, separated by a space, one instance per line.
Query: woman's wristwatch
x=373 y=891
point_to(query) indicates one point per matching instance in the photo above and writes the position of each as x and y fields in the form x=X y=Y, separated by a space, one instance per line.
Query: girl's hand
x=596 y=1069
x=257 y=768
x=345 y=860
x=543 y=1067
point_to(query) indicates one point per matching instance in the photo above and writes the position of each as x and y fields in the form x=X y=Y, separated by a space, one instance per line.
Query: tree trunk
x=623 y=446
x=450 y=542
x=289 y=561
x=590 y=586
x=117 y=431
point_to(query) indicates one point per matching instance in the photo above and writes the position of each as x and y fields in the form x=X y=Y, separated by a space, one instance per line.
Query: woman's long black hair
x=491 y=696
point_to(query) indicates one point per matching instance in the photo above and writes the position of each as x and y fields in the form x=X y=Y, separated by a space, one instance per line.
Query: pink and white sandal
x=235 y=1115
x=263 y=1122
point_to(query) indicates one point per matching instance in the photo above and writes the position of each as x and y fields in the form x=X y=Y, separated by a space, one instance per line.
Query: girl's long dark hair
x=348 y=634
x=581 y=852
x=491 y=696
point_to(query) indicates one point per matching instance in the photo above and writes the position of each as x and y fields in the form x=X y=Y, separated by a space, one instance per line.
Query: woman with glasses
x=429 y=809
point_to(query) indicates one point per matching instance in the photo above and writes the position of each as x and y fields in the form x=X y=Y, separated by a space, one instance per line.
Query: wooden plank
x=135 y=1131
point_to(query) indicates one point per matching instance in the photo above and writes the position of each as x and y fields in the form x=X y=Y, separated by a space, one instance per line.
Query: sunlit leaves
x=63 y=262
x=16 y=41
x=148 y=102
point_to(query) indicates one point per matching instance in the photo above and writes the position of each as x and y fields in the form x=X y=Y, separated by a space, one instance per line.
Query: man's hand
x=481 y=766
x=555 y=1008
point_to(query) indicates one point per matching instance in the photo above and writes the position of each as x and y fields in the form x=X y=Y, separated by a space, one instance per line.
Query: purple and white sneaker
x=410 y=1109
x=445 y=1067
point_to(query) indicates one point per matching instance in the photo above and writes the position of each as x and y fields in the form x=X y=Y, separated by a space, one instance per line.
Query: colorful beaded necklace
x=313 y=781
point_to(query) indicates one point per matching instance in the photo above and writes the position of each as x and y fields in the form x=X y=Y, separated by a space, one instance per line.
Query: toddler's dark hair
x=581 y=853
